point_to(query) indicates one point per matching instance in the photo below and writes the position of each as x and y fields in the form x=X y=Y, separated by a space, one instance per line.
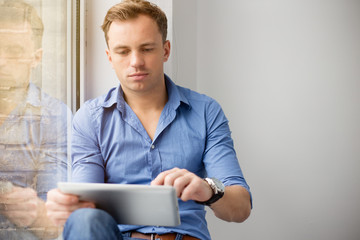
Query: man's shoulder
x=196 y=98
x=44 y=104
x=96 y=105
x=52 y=103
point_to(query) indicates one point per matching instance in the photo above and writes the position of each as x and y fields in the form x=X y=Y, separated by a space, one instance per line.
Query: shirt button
x=152 y=146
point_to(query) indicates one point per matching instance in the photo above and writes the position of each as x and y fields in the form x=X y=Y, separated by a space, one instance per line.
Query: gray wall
x=287 y=74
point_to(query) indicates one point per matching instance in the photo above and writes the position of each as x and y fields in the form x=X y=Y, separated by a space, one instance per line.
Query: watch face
x=218 y=189
x=219 y=185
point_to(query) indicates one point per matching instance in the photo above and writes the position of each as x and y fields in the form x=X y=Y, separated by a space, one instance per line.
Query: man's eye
x=14 y=52
x=148 y=49
x=124 y=52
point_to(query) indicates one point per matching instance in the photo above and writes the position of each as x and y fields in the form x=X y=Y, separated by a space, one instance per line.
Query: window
x=38 y=72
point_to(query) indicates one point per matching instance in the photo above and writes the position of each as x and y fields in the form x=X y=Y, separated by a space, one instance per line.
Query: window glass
x=34 y=116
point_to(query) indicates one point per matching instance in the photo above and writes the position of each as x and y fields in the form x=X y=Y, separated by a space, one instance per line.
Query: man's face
x=17 y=56
x=137 y=54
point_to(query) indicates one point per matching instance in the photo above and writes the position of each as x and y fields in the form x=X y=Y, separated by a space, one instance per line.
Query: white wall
x=184 y=44
x=99 y=77
x=287 y=74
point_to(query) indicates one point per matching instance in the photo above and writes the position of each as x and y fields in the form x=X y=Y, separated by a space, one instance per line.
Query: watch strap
x=218 y=191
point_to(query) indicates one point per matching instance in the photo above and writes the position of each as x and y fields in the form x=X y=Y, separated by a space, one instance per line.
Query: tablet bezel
x=145 y=205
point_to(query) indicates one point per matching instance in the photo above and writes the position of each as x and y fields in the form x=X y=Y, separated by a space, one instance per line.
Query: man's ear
x=108 y=54
x=37 y=57
x=166 y=50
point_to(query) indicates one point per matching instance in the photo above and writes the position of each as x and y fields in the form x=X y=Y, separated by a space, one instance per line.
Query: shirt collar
x=114 y=96
x=176 y=98
x=33 y=96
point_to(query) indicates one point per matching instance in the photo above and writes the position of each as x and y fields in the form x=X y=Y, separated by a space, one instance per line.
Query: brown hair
x=131 y=9
x=19 y=12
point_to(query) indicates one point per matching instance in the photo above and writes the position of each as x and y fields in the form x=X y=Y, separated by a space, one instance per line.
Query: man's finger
x=55 y=195
x=18 y=195
x=159 y=180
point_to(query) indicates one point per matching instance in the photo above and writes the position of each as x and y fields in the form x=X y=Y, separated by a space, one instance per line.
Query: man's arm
x=234 y=206
x=221 y=162
x=24 y=208
x=60 y=205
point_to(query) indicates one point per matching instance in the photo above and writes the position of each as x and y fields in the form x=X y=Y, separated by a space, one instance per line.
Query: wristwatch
x=218 y=189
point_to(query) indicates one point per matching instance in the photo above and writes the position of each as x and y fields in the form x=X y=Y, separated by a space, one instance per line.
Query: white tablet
x=129 y=203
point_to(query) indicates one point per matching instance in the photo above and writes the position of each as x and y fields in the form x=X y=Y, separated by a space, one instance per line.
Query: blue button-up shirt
x=109 y=144
x=33 y=149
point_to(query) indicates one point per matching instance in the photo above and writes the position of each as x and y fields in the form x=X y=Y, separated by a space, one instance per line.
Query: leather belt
x=153 y=236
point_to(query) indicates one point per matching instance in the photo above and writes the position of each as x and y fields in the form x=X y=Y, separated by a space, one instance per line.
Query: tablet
x=130 y=203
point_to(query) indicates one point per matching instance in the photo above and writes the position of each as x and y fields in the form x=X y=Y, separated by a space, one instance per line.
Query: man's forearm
x=234 y=206
x=42 y=227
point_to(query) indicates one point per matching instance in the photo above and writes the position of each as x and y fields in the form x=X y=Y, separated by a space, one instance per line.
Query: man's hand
x=60 y=205
x=20 y=206
x=233 y=207
x=188 y=185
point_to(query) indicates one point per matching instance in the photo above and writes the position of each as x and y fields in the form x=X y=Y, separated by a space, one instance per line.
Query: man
x=32 y=129
x=150 y=131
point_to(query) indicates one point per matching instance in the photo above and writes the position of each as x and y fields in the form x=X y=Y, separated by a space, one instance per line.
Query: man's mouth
x=138 y=76
x=4 y=88
x=4 y=75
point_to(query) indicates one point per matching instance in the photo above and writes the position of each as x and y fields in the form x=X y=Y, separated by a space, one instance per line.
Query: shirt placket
x=165 y=120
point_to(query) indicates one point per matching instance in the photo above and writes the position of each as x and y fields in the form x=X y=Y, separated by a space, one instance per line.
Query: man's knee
x=91 y=223
x=87 y=214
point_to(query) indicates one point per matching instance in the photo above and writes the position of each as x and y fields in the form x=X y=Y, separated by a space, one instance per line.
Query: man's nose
x=3 y=61
x=137 y=59
x=3 y=57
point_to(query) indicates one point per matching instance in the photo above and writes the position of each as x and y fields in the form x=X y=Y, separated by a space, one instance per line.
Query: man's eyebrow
x=119 y=47
x=151 y=44
x=147 y=44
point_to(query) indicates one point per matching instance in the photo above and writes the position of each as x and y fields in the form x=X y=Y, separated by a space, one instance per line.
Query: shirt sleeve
x=220 y=157
x=87 y=161
x=53 y=150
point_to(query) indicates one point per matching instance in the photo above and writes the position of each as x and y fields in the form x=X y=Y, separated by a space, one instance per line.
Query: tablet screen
x=129 y=203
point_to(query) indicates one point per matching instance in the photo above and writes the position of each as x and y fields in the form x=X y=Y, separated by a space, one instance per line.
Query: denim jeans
x=91 y=224
x=95 y=224
x=9 y=231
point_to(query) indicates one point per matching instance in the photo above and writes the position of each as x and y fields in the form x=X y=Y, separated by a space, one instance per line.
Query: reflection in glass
x=33 y=127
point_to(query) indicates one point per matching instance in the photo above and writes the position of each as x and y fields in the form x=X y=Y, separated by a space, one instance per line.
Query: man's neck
x=10 y=98
x=147 y=102
x=148 y=107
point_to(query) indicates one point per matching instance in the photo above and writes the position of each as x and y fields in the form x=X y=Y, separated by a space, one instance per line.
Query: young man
x=32 y=129
x=150 y=131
